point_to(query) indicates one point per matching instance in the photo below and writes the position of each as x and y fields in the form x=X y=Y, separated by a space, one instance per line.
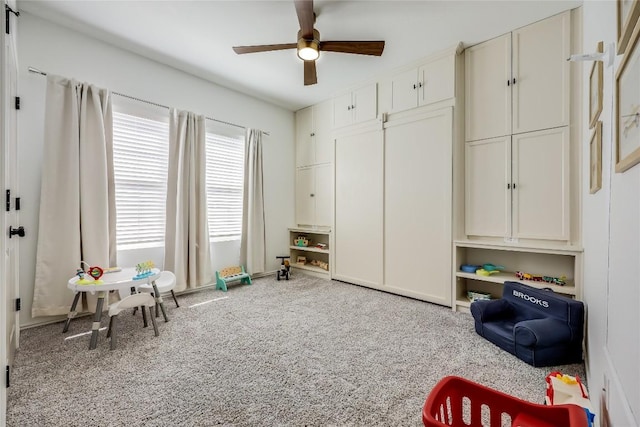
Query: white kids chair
x=165 y=283
x=132 y=301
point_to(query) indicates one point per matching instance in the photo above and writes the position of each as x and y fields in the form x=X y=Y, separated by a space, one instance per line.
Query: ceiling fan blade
x=310 y=76
x=306 y=18
x=263 y=48
x=373 y=48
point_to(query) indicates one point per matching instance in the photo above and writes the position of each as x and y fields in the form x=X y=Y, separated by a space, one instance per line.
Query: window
x=140 y=160
x=225 y=181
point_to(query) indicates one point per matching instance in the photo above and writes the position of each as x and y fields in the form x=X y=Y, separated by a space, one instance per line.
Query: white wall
x=58 y=50
x=611 y=236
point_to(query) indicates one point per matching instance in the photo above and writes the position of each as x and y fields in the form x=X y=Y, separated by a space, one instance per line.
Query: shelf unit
x=315 y=236
x=547 y=261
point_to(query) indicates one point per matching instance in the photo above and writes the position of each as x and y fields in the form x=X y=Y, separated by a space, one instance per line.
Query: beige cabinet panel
x=305 y=193
x=436 y=81
x=403 y=91
x=541 y=75
x=417 y=213
x=487 y=198
x=323 y=195
x=357 y=106
x=365 y=103
x=487 y=96
x=322 y=132
x=342 y=115
x=541 y=184
x=305 y=146
x=359 y=208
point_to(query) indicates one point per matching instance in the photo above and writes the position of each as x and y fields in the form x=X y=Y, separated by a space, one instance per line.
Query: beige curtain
x=77 y=200
x=253 y=243
x=187 y=252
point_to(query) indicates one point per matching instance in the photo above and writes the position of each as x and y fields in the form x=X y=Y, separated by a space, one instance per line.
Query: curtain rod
x=42 y=73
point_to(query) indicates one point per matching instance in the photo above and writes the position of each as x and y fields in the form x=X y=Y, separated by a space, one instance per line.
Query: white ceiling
x=197 y=36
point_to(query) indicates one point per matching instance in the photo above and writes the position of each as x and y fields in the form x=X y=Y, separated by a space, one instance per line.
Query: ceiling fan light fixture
x=308 y=50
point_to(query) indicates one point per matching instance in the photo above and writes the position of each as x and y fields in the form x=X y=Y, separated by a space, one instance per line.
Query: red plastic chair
x=457 y=402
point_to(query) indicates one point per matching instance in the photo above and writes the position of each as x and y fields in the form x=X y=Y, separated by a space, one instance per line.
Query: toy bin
x=458 y=402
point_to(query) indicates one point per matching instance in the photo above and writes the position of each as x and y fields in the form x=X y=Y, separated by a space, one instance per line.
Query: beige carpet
x=303 y=352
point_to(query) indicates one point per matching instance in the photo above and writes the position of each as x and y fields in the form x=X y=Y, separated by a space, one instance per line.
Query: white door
x=541 y=185
x=365 y=103
x=305 y=149
x=488 y=188
x=436 y=80
x=358 y=209
x=9 y=325
x=404 y=91
x=541 y=74
x=488 y=89
x=418 y=207
x=323 y=195
x=305 y=196
x=322 y=132
x=342 y=111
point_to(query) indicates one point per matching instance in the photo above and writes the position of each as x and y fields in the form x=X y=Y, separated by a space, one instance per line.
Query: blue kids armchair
x=537 y=326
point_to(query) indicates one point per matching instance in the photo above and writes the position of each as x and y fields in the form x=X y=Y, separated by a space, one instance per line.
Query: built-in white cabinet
x=314 y=144
x=536 y=264
x=519 y=82
x=356 y=106
x=358 y=230
x=418 y=206
x=429 y=83
x=517 y=187
x=314 y=195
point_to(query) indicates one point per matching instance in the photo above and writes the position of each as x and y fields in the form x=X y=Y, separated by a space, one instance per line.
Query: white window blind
x=225 y=180
x=140 y=159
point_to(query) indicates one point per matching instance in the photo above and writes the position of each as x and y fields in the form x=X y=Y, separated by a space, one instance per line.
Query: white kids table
x=120 y=280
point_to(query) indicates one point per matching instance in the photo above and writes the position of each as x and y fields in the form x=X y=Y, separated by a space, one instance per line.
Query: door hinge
x=18 y=304
x=7 y=11
x=17 y=102
x=8 y=376
x=8 y=200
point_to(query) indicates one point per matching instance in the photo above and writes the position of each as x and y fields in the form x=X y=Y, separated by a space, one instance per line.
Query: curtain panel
x=77 y=201
x=187 y=249
x=253 y=243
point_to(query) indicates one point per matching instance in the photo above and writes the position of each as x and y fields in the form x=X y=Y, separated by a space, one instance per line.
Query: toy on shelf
x=560 y=281
x=483 y=272
x=285 y=267
x=301 y=241
x=321 y=264
x=469 y=268
x=477 y=296
x=322 y=246
x=492 y=267
x=144 y=270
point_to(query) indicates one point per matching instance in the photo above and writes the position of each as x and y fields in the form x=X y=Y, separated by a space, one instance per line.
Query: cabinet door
x=322 y=132
x=437 y=81
x=342 y=114
x=541 y=74
x=417 y=212
x=541 y=179
x=305 y=148
x=358 y=209
x=487 y=96
x=404 y=91
x=365 y=103
x=487 y=198
x=305 y=196
x=324 y=195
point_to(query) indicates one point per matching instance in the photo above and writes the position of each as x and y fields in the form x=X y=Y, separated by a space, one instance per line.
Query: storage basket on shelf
x=457 y=402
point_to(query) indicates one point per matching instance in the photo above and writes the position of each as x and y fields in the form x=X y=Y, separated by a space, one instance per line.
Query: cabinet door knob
x=414 y=86
x=313 y=134
x=514 y=185
x=514 y=81
x=349 y=108
x=353 y=107
x=312 y=195
x=508 y=82
x=419 y=84
x=508 y=186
